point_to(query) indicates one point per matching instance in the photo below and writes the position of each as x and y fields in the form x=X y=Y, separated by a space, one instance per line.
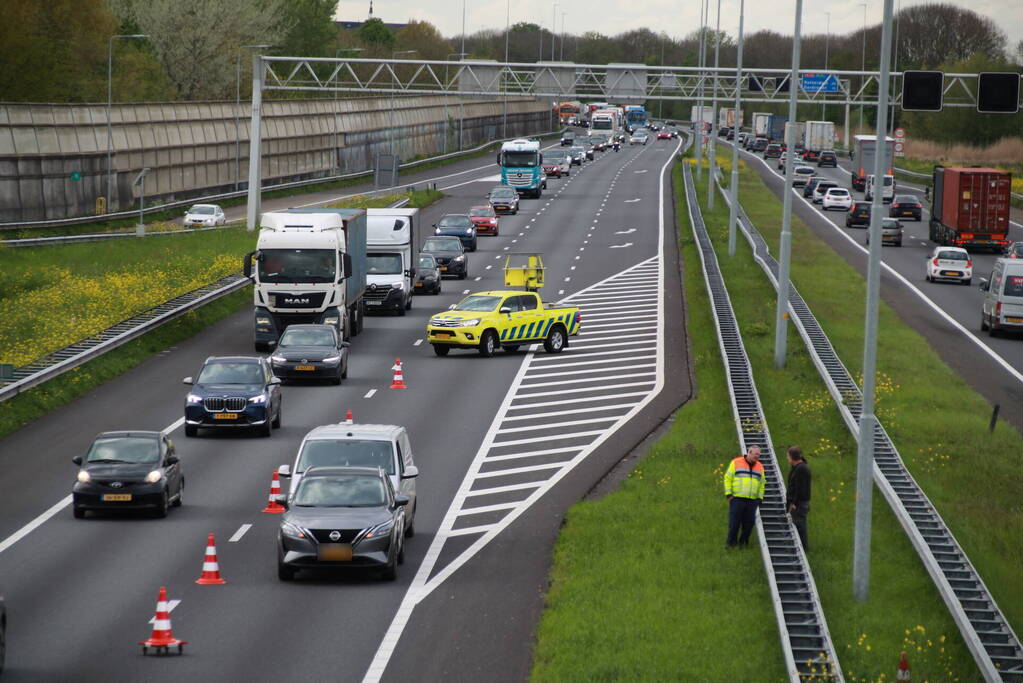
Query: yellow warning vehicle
x=505 y=318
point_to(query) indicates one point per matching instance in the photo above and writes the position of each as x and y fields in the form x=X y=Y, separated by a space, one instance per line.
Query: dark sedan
x=905 y=206
x=449 y=254
x=428 y=278
x=128 y=471
x=458 y=225
x=810 y=186
x=342 y=517
x=233 y=391
x=858 y=215
x=311 y=352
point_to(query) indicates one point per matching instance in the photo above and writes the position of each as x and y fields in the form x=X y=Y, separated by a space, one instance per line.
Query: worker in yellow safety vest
x=744 y=489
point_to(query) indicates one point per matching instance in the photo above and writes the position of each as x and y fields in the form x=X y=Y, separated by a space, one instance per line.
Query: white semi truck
x=309 y=266
x=761 y=124
x=392 y=239
x=820 y=136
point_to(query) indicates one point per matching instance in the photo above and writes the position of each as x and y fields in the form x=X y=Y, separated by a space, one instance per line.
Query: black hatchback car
x=339 y=518
x=128 y=471
x=311 y=352
x=858 y=216
x=458 y=225
x=810 y=186
x=905 y=206
x=428 y=278
x=449 y=254
x=827 y=158
x=233 y=392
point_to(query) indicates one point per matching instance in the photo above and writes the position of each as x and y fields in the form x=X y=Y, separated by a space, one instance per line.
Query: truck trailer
x=706 y=119
x=863 y=159
x=970 y=207
x=819 y=136
x=760 y=124
x=798 y=129
x=776 y=127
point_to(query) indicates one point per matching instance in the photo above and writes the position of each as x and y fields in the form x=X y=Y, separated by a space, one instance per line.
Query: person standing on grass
x=744 y=490
x=797 y=495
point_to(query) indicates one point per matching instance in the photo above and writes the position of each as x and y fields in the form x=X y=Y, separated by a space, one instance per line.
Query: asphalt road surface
x=947 y=314
x=504 y=445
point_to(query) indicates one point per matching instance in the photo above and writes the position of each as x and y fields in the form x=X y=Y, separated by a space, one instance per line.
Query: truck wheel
x=555 y=341
x=488 y=343
x=440 y=350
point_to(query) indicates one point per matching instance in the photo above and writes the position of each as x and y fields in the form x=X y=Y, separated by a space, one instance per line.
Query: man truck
x=392 y=239
x=970 y=207
x=309 y=266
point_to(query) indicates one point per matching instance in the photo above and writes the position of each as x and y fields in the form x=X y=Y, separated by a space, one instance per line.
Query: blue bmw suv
x=233 y=392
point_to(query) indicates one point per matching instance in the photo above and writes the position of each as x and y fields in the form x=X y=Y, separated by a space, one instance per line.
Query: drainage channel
x=990 y=638
x=70 y=357
x=806 y=642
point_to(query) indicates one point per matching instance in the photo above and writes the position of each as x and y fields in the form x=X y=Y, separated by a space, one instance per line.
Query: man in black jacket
x=797 y=494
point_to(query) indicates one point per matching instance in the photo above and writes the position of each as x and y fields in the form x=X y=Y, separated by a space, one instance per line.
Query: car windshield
x=520 y=159
x=805 y=170
x=432 y=244
x=889 y=224
x=204 y=210
x=949 y=255
x=1017 y=249
x=383 y=264
x=1013 y=285
x=297 y=265
x=824 y=187
x=127 y=449
x=458 y=221
x=341 y=491
x=426 y=262
x=308 y=336
x=478 y=303
x=503 y=193
x=481 y=211
x=346 y=453
x=231 y=372
x=837 y=192
x=905 y=199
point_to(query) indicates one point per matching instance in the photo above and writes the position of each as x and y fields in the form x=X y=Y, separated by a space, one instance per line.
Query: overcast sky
x=675 y=17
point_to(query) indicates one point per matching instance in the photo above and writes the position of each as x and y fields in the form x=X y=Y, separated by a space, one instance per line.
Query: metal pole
x=660 y=102
x=237 y=114
x=562 y=57
x=895 y=64
x=785 y=250
x=827 y=40
x=863 y=58
x=868 y=421
x=255 y=157
x=141 y=230
x=699 y=102
x=714 y=113
x=110 y=101
x=733 y=211
x=554 y=28
x=507 y=35
x=846 y=141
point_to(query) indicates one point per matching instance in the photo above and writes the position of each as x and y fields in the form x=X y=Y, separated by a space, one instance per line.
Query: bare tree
x=930 y=35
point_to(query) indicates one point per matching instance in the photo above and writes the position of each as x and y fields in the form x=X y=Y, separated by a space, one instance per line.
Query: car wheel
x=284 y=572
x=180 y=498
x=474 y=244
x=992 y=330
x=79 y=513
x=344 y=369
x=436 y=290
x=488 y=343
x=967 y=281
x=400 y=310
x=983 y=323
x=276 y=424
x=191 y=430
x=555 y=341
x=464 y=274
x=927 y=277
x=511 y=348
x=410 y=530
x=401 y=550
x=441 y=350
x=390 y=572
x=266 y=429
x=408 y=306
x=161 y=511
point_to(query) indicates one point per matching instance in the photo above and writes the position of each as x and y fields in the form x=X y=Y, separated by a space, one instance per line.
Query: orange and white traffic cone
x=162 y=636
x=399 y=379
x=272 y=505
x=903 y=673
x=210 y=569
x=349 y=418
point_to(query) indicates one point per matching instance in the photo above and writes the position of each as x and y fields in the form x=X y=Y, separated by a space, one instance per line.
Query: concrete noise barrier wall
x=53 y=157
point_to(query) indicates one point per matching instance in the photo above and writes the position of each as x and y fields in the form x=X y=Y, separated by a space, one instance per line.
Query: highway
x=947 y=314
x=538 y=430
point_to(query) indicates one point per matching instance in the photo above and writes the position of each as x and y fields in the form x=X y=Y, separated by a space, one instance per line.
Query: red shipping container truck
x=970 y=207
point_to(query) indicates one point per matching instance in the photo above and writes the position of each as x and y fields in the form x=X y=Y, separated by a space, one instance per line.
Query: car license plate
x=335 y=552
x=502 y=207
x=419 y=284
x=305 y=368
x=373 y=303
x=116 y=497
x=443 y=269
x=907 y=213
x=951 y=273
x=443 y=333
x=225 y=416
x=1013 y=320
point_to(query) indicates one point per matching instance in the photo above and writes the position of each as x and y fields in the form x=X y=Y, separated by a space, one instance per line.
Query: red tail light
x=969 y=263
x=935 y=262
x=918 y=206
x=998 y=309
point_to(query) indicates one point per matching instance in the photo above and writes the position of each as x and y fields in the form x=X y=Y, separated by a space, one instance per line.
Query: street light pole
x=461 y=109
x=733 y=211
x=863 y=59
x=699 y=102
x=781 y=327
x=714 y=112
x=504 y=108
x=393 y=107
x=554 y=29
x=827 y=40
x=562 y=57
x=110 y=100
x=237 y=108
x=868 y=421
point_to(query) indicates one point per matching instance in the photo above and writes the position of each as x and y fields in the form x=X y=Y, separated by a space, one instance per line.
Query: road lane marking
x=479 y=277
x=620 y=246
x=417 y=342
x=625 y=232
x=238 y=534
x=466 y=291
x=369 y=394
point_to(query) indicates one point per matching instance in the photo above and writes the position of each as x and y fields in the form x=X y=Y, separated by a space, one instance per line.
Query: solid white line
x=238 y=534
x=621 y=353
x=497 y=507
x=583 y=390
x=593 y=371
x=504 y=489
x=519 y=470
x=601 y=337
x=611 y=299
x=629 y=325
x=535 y=454
x=576 y=411
x=548 y=439
x=469 y=530
x=594 y=362
x=369 y=394
x=417 y=342
x=600 y=343
x=574 y=401
x=631 y=307
x=555 y=425
x=563 y=382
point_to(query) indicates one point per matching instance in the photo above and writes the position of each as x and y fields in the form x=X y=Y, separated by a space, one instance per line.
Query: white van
x=1003 y=298
x=889 y=189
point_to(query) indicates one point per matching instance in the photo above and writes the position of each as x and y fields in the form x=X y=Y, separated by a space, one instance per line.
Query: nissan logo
x=116 y=484
x=373 y=288
x=335 y=535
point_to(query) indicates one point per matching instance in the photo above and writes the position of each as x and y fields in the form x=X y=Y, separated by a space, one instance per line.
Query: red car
x=552 y=169
x=663 y=135
x=485 y=220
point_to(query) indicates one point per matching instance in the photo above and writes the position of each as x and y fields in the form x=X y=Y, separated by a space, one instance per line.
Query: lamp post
x=504 y=108
x=237 y=107
x=699 y=102
x=714 y=112
x=393 y=108
x=863 y=60
x=562 y=57
x=461 y=110
x=336 y=163
x=827 y=40
x=110 y=100
x=554 y=28
x=733 y=211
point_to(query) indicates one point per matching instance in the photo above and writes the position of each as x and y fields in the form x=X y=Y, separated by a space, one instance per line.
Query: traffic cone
x=210 y=568
x=162 y=636
x=903 y=673
x=399 y=379
x=273 y=506
x=349 y=419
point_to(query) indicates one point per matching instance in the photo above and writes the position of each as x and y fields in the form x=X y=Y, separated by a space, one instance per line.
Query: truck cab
x=521 y=165
x=390 y=272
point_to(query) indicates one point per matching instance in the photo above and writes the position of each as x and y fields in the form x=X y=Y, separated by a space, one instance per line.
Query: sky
x=675 y=17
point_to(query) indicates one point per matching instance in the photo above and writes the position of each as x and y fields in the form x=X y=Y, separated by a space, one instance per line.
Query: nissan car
x=232 y=392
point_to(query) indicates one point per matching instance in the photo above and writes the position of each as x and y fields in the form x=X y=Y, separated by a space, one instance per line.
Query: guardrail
x=988 y=635
x=806 y=642
x=78 y=220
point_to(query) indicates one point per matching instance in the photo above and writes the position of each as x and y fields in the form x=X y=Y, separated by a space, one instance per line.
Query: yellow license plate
x=225 y=416
x=419 y=284
x=442 y=333
x=305 y=368
x=1014 y=320
x=443 y=268
x=335 y=552
x=121 y=497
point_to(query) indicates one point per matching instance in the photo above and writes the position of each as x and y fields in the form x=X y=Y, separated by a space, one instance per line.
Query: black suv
x=858 y=215
x=342 y=517
x=828 y=158
x=233 y=391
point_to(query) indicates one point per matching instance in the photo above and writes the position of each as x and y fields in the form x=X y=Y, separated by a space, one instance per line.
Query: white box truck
x=392 y=238
x=707 y=118
x=761 y=124
x=820 y=135
x=797 y=129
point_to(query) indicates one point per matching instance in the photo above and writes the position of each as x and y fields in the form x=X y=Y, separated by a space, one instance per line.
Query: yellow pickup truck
x=505 y=319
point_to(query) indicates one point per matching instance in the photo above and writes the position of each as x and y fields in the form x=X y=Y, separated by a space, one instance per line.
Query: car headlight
x=84 y=477
x=459 y=258
x=291 y=530
x=331 y=320
x=262 y=320
x=380 y=530
x=472 y=322
x=396 y=285
x=468 y=231
x=258 y=399
x=332 y=359
x=437 y=231
x=154 y=476
x=278 y=359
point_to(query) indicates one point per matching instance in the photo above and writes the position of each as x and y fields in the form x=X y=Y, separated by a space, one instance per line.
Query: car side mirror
x=343 y=344
x=77 y=460
x=505 y=309
x=281 y=500
x=275 y=380
x=411 y=472
x=247 y=264
x=401 y=501
x=984 y=285
x=188 y=380
x=173 y=460
x=435 y=225
x=284 y=471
